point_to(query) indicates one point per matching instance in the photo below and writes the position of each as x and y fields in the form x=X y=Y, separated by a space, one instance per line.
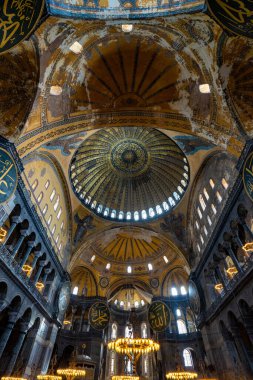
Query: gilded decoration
x=100 y=9
x=158 y=316
x=248 y=176
x=99 y=316
x=233 y=15
x=8 y=176
x=129 y=174
x=17 y=20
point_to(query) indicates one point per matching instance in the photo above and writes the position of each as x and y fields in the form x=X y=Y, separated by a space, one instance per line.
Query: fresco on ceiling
x=122 y=8
x=233 y=15
x=17 y=20
x=175 y=225
x=191 y=144
x=66 y=144
x=83 y=225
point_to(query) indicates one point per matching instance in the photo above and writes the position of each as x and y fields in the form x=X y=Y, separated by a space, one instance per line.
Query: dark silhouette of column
x=17 y=347
x=38 y=273
x=23 y=234
x=14 y=221
x=30 y=245
x=12 y=318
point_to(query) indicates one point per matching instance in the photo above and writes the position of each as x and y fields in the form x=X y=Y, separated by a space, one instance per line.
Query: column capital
x=30 y=243
x=23 y=232
x=15 y=219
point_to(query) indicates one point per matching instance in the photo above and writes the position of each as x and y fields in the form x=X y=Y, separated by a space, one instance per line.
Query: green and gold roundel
x=99 y=316
x=8 y=176
x=233 y=15
x=18 y=18
x=158 y=316
x=248 y=176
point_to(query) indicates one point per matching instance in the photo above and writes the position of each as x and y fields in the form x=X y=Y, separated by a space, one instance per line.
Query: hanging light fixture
x=125 y=377
x=181 y=375
x=49 y=377
x=71 y=373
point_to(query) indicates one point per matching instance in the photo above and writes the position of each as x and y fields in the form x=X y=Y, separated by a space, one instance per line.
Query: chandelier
x=49 y=377
x=125 y=377
x=130 y=346
x=181 y=375
x=70 y=373
x=12 y=378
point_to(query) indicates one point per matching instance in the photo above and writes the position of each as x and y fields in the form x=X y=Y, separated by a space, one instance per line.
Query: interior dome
x=129 y=174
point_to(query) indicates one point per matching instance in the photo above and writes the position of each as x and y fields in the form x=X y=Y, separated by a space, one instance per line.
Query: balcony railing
x=229 y=287
x=12 y=265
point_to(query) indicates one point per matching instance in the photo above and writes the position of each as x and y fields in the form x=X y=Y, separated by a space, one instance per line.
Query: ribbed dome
x=129 y=173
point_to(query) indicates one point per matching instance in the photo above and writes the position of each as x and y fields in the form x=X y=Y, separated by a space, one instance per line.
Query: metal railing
x=7 y=259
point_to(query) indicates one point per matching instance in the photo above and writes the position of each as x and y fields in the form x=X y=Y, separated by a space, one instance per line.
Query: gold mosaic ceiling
x=129 y=173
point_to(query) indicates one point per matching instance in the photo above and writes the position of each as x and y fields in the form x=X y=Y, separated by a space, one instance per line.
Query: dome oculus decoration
x=129 y=174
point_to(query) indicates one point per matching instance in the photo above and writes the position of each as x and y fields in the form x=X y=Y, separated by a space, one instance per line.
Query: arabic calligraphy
x=8 y=176
x=248 y=176
x=234 y=15
x=99 y=315
x=17 y=20
x=158 y=316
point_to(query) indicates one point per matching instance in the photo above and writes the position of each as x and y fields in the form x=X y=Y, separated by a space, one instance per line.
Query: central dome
x=129 y=173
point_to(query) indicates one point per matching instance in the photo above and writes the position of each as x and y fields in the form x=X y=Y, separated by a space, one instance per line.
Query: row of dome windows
x=203 y=202
x=45 y=209
x=136 y=215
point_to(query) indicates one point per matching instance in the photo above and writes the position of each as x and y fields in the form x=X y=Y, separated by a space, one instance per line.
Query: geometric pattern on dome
x=129 y=173
x=129 y=245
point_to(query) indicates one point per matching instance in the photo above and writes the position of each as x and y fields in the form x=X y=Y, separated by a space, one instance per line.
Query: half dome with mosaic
x=129 y=174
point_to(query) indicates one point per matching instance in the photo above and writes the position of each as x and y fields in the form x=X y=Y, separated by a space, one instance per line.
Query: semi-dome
x=129 y=174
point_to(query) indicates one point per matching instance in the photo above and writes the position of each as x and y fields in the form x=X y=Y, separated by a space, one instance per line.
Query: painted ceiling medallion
x=129 y=174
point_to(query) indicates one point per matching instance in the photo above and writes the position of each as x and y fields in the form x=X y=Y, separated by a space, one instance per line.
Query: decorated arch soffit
x=149 y=78
x=101 y=9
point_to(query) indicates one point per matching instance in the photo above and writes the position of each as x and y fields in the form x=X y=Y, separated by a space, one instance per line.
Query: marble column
x=81 y=320
x=23 y=234
x=14 y=221
x=49 y=350
x=12 y=318
x=28 y=251
x=38 y=273
x=37 y=255
x=16 y=349
x=233 y=257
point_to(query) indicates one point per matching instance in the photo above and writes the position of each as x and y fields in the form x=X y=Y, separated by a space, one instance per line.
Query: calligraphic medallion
x=248 y=176
x=99 y=316
x=18 y=18
x=236 y=16
x=158 y=316
x=193 y=295
x=8 y=176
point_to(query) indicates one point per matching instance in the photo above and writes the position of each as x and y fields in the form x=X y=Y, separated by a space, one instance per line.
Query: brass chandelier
x=131 y=346
x=70 y=373
x=125 y=377
x=181 y=375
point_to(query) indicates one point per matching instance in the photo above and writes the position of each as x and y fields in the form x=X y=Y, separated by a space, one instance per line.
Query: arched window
x=209 y=220
x=174 y=291
x=202 y=202
x=114 y=331
x=144 y=214
x=213 y=208
x=75 y=290
x=183 y=290
x=188 y=362
x=219 y=197
x=181 y=326
x=206 y=194
x=35 y=184
x=178 y=313
x=47 y=184
x=212 y=184
x=136 y=215
x=52 y=195
x=59 y=213
x=128 y=215
x=53 y=230
x=144 y=330
x=129 y=331
x=40 y=197
x=57 y=203
x=45 y=209
x=106 y=212
x=49 y=220
x=113 y=214
x=62 y=225
x=224 y=183
x=199 y=212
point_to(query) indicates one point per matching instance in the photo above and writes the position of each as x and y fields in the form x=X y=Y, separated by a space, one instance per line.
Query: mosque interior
x=126 y=189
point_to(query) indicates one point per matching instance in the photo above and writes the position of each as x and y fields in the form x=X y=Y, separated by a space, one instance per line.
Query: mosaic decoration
x=191 y=144
x=18 y=18
x=103 y=282
x=8 y=176
x=140 y=174
x=158 y=316
x=83 y=225
x=122 y=8
x=64 y=297
x=66 y=144
x=154 y=283
x=233 y=15
x=99 y=316
x=194 y=300
x=248 y=176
